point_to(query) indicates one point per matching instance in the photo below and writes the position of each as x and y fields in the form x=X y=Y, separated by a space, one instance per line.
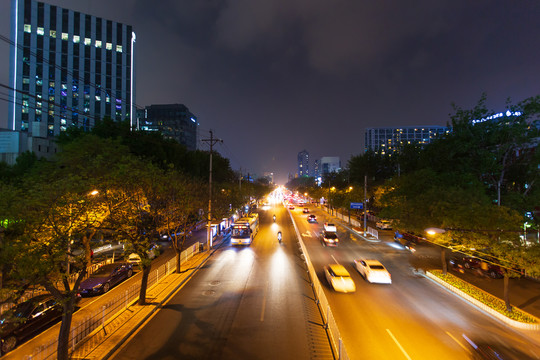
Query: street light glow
x=434 y=231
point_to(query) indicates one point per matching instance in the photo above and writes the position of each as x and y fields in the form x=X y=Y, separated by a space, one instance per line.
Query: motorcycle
x=279 y=236
x=274 y=218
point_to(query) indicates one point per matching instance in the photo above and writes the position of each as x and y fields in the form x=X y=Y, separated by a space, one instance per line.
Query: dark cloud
x=272 y=77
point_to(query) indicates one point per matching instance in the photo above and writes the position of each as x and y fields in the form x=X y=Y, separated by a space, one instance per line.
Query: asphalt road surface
x=412 y=318
x=252 y=302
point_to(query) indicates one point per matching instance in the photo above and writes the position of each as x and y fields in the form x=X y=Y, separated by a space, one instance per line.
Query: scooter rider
x=279 y=236
x=274 y=217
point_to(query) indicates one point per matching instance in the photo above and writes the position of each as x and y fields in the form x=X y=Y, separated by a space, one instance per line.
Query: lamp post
x=349 y=207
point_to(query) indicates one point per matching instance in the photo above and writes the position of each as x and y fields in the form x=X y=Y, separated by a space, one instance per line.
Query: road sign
x=357 y=205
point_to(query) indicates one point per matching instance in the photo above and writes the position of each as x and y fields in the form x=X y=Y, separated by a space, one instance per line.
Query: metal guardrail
x=81 y=329
x=328 y=317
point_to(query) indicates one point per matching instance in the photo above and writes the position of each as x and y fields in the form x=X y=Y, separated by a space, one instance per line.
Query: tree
x=183 y=200
x=134 y=204
x=49 y=214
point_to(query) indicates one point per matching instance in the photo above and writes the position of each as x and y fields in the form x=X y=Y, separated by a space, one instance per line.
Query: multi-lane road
x=253 y=302
x=256 y=302
x=410 y=319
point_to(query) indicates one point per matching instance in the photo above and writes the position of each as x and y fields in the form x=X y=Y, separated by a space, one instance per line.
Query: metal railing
x=82 y=328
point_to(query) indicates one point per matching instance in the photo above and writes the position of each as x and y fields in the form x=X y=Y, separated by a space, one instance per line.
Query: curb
x=111 y=351
x=484 y=307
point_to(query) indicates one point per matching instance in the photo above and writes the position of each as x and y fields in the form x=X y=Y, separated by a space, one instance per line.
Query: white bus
x=245 y=229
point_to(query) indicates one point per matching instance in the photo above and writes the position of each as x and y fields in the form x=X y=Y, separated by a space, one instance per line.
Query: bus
x=245 y=229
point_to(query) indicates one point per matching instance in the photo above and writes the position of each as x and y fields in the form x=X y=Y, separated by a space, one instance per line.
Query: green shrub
x=493 y=302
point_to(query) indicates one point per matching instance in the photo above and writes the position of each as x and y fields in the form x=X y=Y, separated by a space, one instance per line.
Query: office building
x=303 y=163
x=173 y=121
x=67 y=69
x=317 y=168
x=330 y=164
x=388 y=140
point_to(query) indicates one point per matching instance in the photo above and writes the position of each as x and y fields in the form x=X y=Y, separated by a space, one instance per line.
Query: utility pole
x=211 y=141
x=365 y=204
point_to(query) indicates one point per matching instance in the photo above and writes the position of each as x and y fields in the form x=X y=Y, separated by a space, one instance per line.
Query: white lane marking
x=307 y=234
x=264 y=301
x=337 y=262
x=459 y=343
x=398 y=344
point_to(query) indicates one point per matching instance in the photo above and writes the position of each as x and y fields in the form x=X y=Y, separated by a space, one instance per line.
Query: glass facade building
x=67 y=69
x=389 y=140
x=173 y=121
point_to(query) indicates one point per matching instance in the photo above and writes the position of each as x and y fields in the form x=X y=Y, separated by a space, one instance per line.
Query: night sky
x=274 y=77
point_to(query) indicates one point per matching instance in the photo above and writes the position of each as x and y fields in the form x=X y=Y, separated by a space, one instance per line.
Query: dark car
x=488 y=268
x=27 y=319
x=105 y=278
x=312 y=218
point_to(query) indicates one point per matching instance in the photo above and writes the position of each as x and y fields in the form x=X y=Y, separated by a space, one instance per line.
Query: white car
x=384 y=225
x=330 y=238
x=373 y=271
x=134 y=258
x=339 y=278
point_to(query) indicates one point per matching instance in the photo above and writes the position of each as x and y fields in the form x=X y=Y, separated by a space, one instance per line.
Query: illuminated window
x=63 y=122
x=52 y=33
x=98 y=44
x=76 y=39
x=38 y=111
x=27 y=28
x=40 y=31
x=108 y=46
x=87 y=41
x=118 y=48
x=26 y=80
x=98 y=98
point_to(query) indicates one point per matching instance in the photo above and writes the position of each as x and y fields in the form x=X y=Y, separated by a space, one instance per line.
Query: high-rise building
x=67 y=69
x=303 y=163
x=390 y=140
x=317 y=168
x=174 y=121
x=330 y=164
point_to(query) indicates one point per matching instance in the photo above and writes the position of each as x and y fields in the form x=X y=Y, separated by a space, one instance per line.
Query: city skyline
x=291 y=76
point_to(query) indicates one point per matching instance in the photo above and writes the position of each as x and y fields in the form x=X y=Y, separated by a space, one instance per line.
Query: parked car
x=488 y=268
x=373 y=271
x=27 y=319
x=291 y=207
x=312 y=218
x=339 y=278
x=154 y=252
x=105 y=278
x=384 y=224
x=305 y=211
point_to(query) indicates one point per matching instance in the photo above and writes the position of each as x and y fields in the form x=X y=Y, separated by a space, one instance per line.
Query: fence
x=38 y=290
x=81 y=329
x=324 y=305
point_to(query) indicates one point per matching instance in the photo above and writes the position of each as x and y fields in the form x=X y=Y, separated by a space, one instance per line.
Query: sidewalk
x=104 y=341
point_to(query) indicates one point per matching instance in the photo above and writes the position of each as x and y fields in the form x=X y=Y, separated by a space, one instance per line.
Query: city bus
x=245 y=229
